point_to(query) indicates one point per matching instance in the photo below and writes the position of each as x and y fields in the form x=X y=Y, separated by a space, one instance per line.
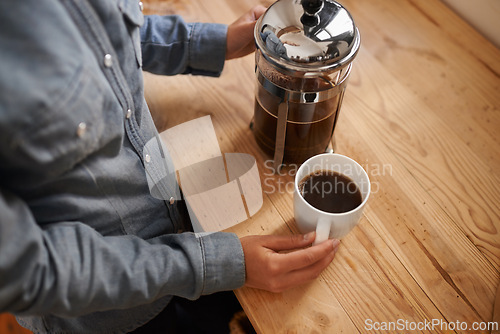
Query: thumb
x=288 y=242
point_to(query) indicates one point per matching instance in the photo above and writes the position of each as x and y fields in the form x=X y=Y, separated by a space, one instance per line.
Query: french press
x=305 y=50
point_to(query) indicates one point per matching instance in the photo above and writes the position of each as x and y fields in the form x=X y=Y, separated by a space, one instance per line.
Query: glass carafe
x=303 y=60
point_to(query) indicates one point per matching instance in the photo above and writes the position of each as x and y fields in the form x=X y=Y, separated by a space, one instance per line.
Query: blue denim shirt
x=84 y=247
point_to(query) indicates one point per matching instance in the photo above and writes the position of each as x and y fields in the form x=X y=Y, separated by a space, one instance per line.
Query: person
x=84 y=247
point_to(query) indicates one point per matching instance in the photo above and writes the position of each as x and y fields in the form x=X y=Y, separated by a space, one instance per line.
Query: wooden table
x=421 y=114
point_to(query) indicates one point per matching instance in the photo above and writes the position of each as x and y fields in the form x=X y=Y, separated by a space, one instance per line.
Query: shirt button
x=108 y=60
x=147 y=158
x=141 y=6
x=172 y=200
x=81 y=129
x=129 y=114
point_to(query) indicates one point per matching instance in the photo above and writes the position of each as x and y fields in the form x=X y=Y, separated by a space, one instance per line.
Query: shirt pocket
x=134 y=18
x=84 y=117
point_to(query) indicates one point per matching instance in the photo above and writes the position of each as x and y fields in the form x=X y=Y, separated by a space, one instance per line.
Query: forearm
x=68 y=269
x=171 y=46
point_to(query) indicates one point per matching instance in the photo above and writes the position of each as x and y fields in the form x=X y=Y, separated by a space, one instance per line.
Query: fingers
x=307 y=274
x=268 y=269
x=287 y=242
x=307 y=257
x=284 y=277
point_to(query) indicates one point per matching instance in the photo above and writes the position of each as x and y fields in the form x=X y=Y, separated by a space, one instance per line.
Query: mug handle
x=322 y=230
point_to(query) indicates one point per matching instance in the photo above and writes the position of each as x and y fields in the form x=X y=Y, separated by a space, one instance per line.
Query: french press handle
x=279 y=148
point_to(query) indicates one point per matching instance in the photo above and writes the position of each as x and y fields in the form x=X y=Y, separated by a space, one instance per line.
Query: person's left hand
x=240 y=41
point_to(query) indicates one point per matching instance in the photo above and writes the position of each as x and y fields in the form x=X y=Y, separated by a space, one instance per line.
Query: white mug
x=326 y=224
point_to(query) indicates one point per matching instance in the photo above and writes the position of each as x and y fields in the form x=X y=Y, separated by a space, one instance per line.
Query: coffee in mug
x=330 y=193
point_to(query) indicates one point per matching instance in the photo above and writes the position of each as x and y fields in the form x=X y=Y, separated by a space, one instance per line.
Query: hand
x=240 y=41
x=270 y=270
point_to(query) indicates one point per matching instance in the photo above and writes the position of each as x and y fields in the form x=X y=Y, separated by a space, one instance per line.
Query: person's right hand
x=268 y=269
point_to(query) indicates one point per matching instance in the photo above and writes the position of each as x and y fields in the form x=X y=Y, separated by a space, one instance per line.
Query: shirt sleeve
x=68 y=269
x=171 y=46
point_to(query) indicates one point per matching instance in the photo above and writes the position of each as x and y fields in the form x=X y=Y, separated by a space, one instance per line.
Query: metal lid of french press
x=307 y=35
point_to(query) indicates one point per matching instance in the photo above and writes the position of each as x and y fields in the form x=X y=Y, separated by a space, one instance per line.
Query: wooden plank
x=433 y=244
x=470 y=111
x=437 y=61
x=443 y=163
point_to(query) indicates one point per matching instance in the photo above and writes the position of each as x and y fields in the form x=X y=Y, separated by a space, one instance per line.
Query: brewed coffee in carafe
x=302 y=66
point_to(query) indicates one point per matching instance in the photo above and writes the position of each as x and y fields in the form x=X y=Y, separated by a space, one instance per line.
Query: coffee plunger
x=304 y=56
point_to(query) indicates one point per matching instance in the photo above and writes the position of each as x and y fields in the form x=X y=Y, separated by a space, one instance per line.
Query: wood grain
x=421 y=115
